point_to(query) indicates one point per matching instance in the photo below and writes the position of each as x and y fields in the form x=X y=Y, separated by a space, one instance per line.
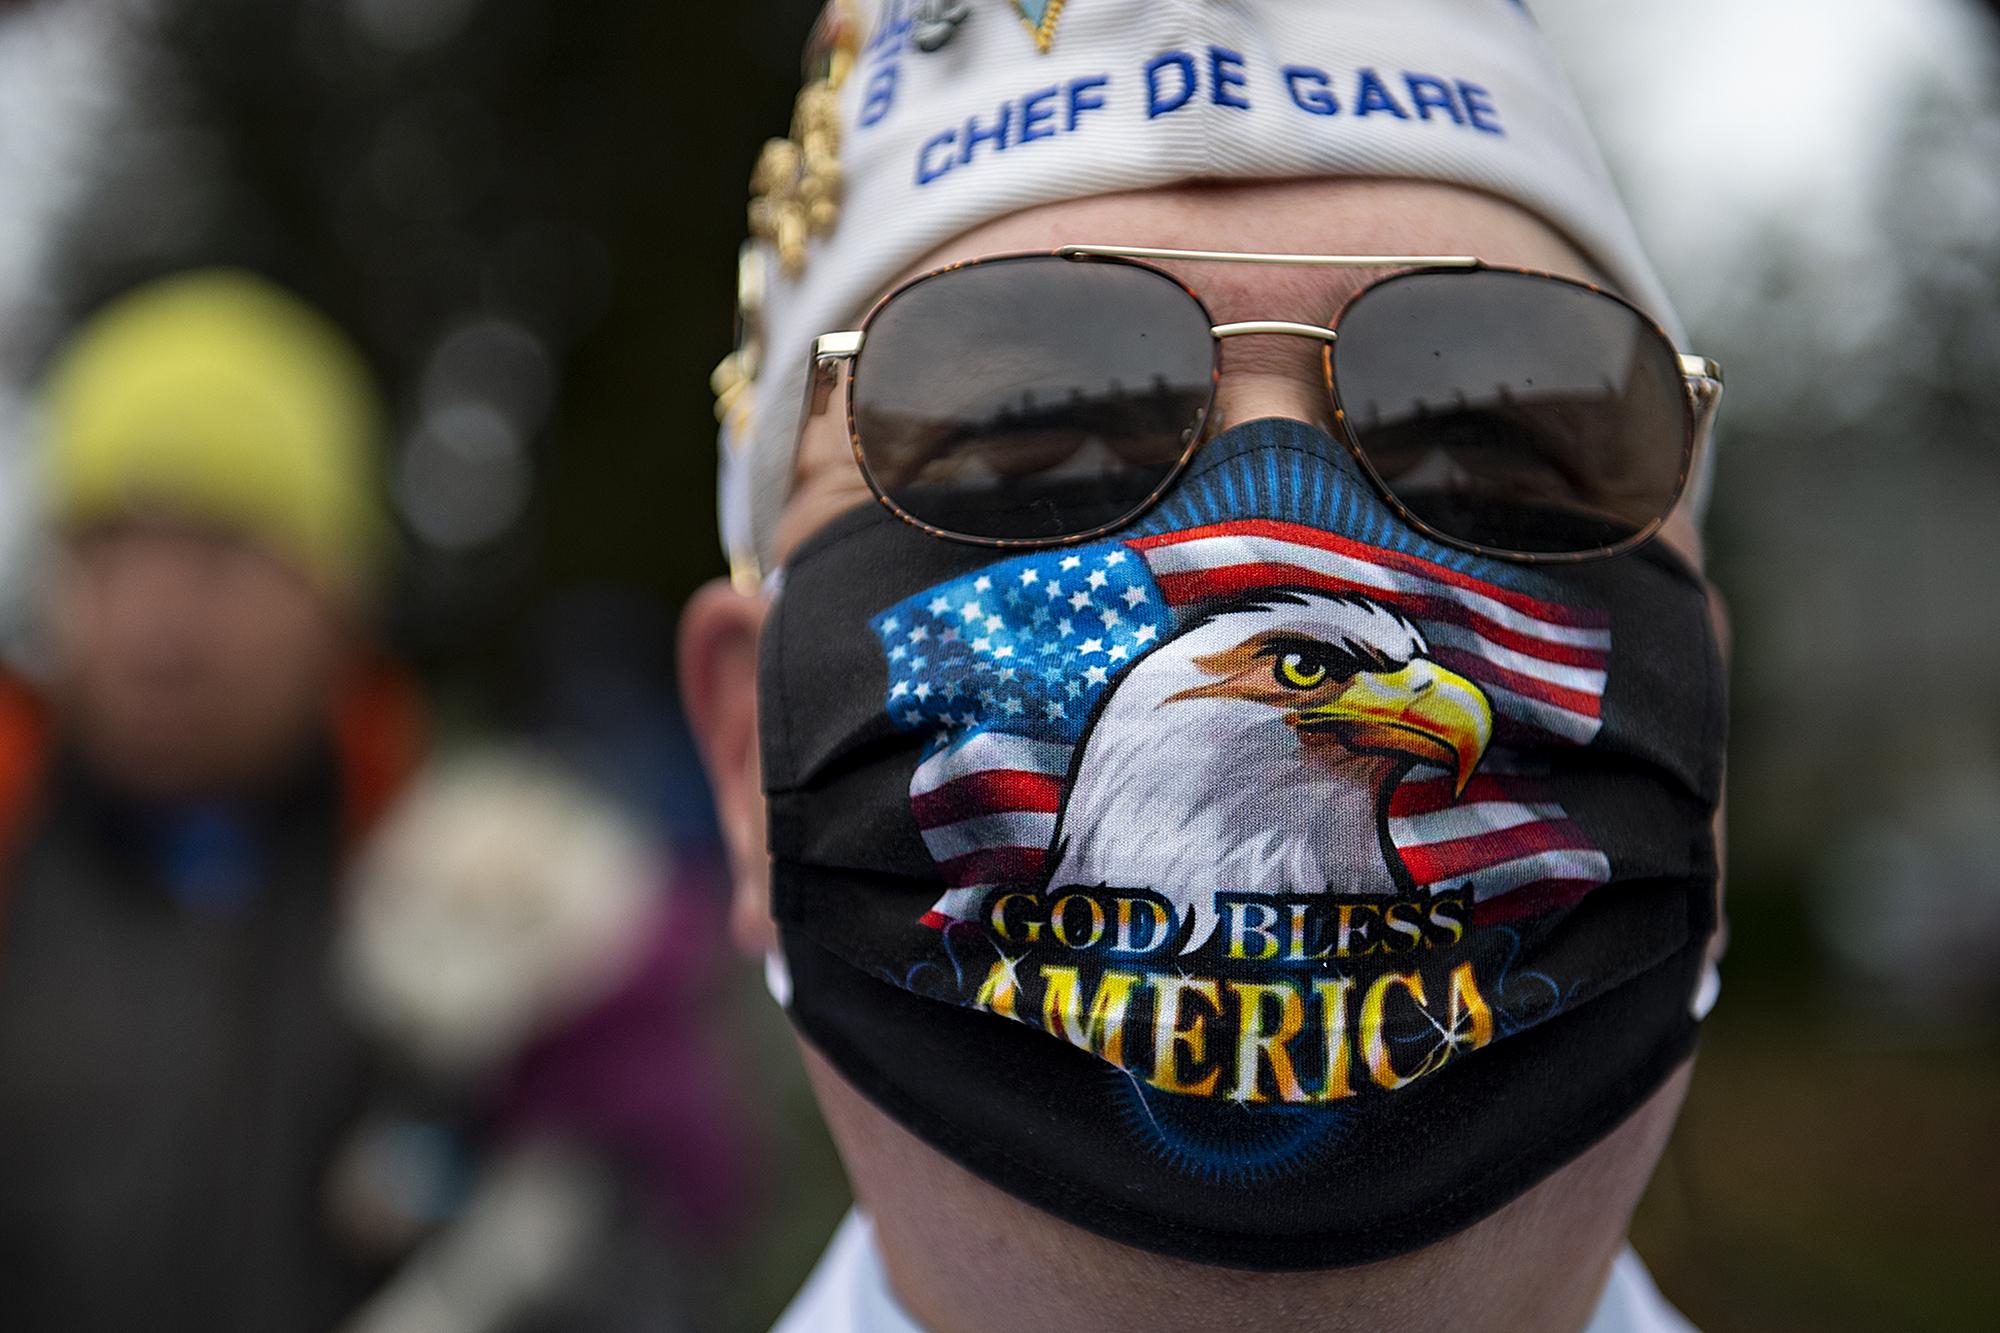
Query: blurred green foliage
x=1821 y=1184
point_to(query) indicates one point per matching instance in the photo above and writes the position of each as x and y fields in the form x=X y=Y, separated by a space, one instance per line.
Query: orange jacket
x=376 y=719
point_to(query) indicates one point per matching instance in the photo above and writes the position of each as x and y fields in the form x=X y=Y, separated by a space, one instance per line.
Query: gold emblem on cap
x=796 y=186
x=1039 y=16
x=732 y=379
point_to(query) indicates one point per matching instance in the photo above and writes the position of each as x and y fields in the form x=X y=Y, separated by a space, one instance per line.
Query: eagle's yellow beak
x=1422 y=711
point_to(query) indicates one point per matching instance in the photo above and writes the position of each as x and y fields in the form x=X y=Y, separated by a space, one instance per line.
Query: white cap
x=1027 y=102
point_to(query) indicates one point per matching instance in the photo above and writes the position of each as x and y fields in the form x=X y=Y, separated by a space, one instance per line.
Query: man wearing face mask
x=1218 y=717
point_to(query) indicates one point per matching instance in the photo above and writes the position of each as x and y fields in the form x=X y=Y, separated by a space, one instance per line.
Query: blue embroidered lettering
x=1478 y=106
x=1083 y=96
x=1427 y=92
x=1177 y=60
x=974 y=136
x=1037 y=114
x=881 y=96
x=1225 y=74
x=1372 y=96
x=1311 y=90
x=891 y=37
x=926 y=173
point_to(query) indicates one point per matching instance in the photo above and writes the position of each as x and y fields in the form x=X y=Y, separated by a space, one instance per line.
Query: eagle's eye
x=1298 y=672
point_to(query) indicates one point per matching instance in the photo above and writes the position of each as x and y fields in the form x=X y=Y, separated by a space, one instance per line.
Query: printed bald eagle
x=1256 y=751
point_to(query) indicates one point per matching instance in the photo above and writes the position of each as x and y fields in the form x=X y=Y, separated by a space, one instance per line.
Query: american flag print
x=1003 y=668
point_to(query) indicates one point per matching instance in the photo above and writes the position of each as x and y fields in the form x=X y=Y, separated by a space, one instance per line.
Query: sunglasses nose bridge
x=1287 y=329
x=1282 y=377
x=1248 y=327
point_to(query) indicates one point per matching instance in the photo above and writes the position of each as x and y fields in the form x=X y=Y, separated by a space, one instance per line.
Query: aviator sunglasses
x=1032 y=400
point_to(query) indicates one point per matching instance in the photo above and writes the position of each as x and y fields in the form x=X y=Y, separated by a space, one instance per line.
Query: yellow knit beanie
x=218 y=397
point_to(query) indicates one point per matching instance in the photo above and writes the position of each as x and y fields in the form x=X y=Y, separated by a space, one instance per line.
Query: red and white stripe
x=987 y=810
x=1504 y=836
x=1541 y=663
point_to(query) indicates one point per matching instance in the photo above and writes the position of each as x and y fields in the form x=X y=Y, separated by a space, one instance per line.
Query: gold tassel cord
x=798 y=182
x=796 y=189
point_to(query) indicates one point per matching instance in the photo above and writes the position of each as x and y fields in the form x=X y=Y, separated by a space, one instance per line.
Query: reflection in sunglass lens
x=1513 y=411
x=1031 y=397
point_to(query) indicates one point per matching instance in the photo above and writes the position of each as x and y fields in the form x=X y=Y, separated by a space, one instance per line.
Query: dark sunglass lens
x=1514 y=411
x=1033 y=397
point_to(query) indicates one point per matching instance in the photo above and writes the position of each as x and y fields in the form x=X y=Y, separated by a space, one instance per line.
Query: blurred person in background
x=279 y=1014
x=210 y=733
x=1229 y=812
x=543 y=967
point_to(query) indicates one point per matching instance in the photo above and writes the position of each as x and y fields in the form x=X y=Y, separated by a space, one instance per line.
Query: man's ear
x=718 y=668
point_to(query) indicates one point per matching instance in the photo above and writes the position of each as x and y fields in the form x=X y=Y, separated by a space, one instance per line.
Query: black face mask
x=1269 y=887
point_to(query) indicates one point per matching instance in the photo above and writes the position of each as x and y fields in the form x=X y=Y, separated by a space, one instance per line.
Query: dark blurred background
x=1820 y=185
x=528 y=213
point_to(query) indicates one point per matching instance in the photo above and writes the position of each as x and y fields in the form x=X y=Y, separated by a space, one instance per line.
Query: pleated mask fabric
x=1266 y=885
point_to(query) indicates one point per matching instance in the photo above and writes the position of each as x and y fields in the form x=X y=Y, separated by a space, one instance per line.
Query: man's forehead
x=159 y=528
x=1339 y=216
